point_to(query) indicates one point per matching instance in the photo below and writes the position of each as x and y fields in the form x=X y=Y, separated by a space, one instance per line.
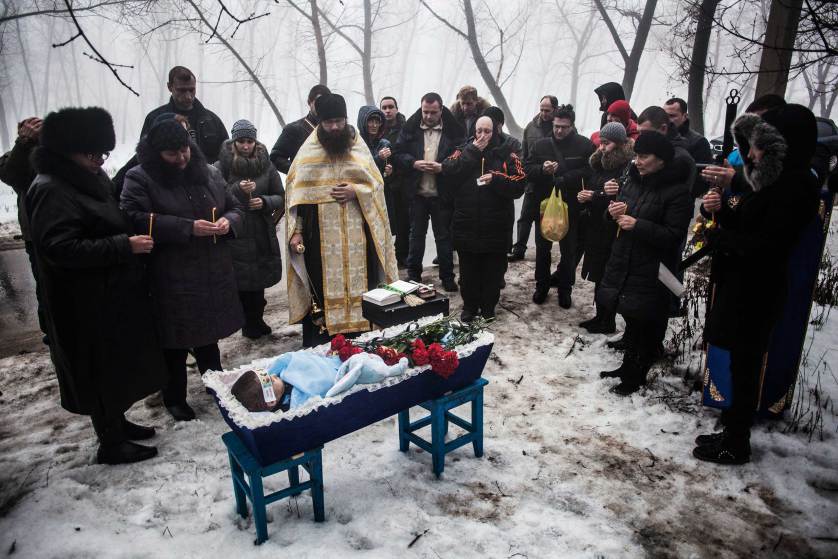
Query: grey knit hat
x=243 y=129
x=614 y=132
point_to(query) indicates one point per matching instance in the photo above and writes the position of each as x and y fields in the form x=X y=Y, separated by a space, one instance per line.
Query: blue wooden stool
x=439 y=419
x=243 y=463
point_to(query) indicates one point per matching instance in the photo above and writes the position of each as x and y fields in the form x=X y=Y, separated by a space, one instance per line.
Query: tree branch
x=445 y=21
x=614 y=34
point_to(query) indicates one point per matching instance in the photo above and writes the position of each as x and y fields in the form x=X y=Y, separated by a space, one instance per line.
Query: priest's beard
x=335 y=143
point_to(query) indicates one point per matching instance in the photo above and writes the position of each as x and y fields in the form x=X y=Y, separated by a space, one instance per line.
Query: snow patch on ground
x=570 y=469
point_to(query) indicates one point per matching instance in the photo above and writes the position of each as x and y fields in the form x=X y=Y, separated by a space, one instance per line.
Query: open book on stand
x=389 y=294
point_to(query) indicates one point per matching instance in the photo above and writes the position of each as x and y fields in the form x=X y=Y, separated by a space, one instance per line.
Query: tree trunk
x=366 y=57
x=511 y=124
x=48 y=68
x=779 y=44
x=698 y=63
x=4 y=127
x=26 y=69
x=633 y=62
x=241 y=61
x=76 y=74
x=321 y=46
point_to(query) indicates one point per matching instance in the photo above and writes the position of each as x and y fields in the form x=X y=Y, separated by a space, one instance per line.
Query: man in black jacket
x=696 y=144
x=540 y=127
x=294 y=134
x=607 y=94
x=205 y=128
x=427 y=138
x=655 y=119
x=398 y=203
x=560 y=161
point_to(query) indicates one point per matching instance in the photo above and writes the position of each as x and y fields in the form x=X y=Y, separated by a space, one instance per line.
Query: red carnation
x=418 y=344
x=435 y=351
x=338 y=342
x=445 y=363
x=395 y=359
x=420 y=357
x=348 y=351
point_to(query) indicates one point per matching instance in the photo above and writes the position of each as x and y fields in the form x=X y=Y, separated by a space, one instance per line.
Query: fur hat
x=243 y=129
x=798 y=126
x=330 y=105
x=654 y=143
x=78 y=130
x=614 y=132
x=167 y=134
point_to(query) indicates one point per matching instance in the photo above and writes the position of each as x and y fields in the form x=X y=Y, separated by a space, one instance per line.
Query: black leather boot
x=124 y=452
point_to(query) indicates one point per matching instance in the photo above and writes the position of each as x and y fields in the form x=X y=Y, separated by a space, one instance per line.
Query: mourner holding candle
x=102 y=336
x=652 y=211
x=752 y=245
x=255 y=182
x=486 y=176
x=337 y=229
x=192 y=282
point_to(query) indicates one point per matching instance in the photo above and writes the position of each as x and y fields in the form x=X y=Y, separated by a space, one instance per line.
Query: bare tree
x=581 y=39
x=778 y=47
x=822 y=85
x=643 y=24
x=494 y=81
x=313 y=15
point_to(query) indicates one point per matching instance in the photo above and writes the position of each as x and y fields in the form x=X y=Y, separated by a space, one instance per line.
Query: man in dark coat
x=653 y=211
x=655 y=119
x=752 y=247
x=696 y=144
x=191 y=276
x=428 y=137
x=16 y=171
x=607 y=93
x=468 y=107
x=102 y=337
x=540 y=127
x=205 y=128
x=398 y=202
x=561 y=162
x=294 y=134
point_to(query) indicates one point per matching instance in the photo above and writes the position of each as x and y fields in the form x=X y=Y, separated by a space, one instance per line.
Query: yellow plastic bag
x=554 y=218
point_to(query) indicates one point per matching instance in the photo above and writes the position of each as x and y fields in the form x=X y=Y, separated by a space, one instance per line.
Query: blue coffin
x=287 y=437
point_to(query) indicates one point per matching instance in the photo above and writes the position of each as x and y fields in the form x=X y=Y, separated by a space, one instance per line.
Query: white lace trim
x=220 y=382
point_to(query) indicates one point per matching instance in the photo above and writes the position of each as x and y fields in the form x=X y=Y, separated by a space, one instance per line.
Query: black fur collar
x=48 y=162
x=196 y=171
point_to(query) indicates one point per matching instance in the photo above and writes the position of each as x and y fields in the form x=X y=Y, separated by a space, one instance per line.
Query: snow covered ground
x=570 y=470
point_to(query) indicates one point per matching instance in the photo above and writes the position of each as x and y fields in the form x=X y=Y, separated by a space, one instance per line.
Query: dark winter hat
x=654 y=143
x=330 y=105
x=799 y=127
x=495 y=114
x=614 y=132
x=161 y=117
x=78 y=130
x=168 y=135
x=243 y=129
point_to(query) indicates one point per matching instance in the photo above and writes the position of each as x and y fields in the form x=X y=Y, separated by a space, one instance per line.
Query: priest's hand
x=296 y=240
x=343 y=193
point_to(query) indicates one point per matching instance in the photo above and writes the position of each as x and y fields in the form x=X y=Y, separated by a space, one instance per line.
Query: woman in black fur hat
x=102 y=336
x=184 y=202
x=255 y=182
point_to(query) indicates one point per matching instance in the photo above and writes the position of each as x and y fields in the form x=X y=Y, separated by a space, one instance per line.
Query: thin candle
x=214 y=237
x=150 y=223
x=482 y=166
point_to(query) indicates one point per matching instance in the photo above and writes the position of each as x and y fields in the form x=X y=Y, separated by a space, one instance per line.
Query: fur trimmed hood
x=608 y=161
x=457 y=110
x=750 y=130
x=196 y=172
x=251 y=167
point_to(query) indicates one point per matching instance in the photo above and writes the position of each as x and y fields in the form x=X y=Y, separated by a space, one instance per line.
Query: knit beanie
x=330 y=105
x=495 y=114
x=621 y=110
x=243 y=129
x=614 y=132
x=78 y=130
x=168 y=135
x=654 y=143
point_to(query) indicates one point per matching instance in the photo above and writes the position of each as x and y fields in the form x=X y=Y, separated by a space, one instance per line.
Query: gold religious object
x=300 y=248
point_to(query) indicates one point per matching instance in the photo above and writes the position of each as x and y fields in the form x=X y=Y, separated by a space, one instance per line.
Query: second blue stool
x=439 y=418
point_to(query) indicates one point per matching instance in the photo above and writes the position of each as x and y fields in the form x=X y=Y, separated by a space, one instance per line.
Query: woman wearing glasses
x=183 y=202
x=102 y=337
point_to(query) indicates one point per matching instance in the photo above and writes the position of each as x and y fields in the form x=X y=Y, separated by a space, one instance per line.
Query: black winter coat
x=410 y=147
x=696 y=144
x=611 y=91
x=483 y=215
x=534 y=131
x=663 y=207
x=575 y=152
x=205 y=128
x=292 y=137
x=757 y=235
x=193 y=284
x=98 y=313
x=256 y=255
x=16 y=171
x=597 y=232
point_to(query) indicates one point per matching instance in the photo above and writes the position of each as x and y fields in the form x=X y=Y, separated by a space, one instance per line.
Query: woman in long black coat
x=193 y=285
x=653 y=211
x=753 y=244
x=255 y=182
x=97 y=309
x=483 y=214
x=609 y=162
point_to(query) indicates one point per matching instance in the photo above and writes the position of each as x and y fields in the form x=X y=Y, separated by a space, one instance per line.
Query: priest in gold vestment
x=338 y=234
